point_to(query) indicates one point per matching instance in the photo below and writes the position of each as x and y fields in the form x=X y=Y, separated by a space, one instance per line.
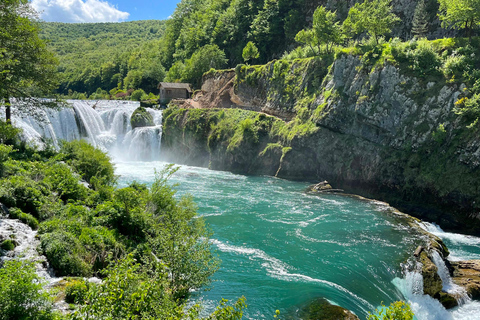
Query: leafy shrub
x=424 y=59
x=8 y=133
x=64 y=253
x=4 y=156
x=455 y=66
x=76 y=291
x=21 y=294
x=421 y=56
x=90 y=162
x=128 y=291
x=63 y=181
x=25 y=194
x=469 y=108
x=398 y=310
x=8 y=245
x=26 y=218
x=138 y=95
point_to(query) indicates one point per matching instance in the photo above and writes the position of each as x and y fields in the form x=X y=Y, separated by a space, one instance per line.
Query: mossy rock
x=321 y=309
x=447 y=300
x=432 y=283
x=141 y=118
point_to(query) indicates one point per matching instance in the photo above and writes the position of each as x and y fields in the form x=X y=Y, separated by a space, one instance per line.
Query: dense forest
x=109 y=59
x=107 y=56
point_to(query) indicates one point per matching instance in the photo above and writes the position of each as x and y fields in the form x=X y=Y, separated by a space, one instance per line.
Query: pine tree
x=420 y=20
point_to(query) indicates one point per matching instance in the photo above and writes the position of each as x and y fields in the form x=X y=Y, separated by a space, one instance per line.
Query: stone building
x=170 y=90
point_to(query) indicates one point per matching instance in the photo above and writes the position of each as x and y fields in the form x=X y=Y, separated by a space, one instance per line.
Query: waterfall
x=105 y=124
x=423 y=306
x=448 y=285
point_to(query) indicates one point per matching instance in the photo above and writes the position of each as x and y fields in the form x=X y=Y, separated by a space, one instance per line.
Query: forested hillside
x=204 y=34
x=106 y=55
x=226 y=26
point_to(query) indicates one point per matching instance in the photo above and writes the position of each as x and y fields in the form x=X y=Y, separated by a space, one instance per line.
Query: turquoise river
x=280 y=247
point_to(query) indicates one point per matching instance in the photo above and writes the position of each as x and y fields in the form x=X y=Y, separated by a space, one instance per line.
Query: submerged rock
x=321 y=309
x=141 y=118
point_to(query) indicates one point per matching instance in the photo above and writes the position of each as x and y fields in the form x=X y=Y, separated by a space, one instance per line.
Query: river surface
x=280 y=247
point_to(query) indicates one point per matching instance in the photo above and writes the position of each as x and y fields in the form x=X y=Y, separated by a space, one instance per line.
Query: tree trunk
x=8 y=111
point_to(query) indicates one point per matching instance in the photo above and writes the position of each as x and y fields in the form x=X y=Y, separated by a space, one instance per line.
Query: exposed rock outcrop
x=467 y=275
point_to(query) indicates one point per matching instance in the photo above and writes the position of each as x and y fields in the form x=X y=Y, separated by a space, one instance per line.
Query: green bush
x=8 y=245
x=455 y=66
x=138 y=95
x=24 y=193
x=398 y=310
x=127 y=292
x=76 y=291
x=65 y=254
x=8 y=133
x=21 y=293
x=420 y=56
x=64 y=182
x=26 y=218
x=93 y=164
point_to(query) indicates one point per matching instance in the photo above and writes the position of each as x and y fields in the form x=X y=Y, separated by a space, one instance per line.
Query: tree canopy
x=460 y=14
x=27 y=68
x=108 y=56
x=374 y=17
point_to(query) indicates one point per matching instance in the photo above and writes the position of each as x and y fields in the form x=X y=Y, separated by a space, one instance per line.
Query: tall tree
x=27 y=68
x=326 y=27
x=372 y=16
x=460 y=14
x=250 y=52
x=420 y=20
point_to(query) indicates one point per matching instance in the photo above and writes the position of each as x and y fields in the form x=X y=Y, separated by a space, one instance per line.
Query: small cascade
x=423 y=306
x=105 y=124
x=448 y=285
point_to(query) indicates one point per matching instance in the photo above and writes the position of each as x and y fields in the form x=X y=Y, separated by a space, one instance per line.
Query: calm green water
x=281 y=247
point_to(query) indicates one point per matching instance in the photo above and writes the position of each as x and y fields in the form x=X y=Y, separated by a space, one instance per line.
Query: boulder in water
x=323 y=186
x=467 y=275
x=141 y=118
x=321 y=309
x=432 y=283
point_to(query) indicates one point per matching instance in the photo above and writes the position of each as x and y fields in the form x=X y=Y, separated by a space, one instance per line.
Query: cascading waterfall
x=423 y=306
x=105 y=124
x=448 y=286
x=411 y=285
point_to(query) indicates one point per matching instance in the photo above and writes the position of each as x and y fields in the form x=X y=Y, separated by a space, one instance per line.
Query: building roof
x=174 y=85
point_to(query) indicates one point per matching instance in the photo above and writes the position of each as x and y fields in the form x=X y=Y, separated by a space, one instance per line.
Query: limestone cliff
x=377 y=128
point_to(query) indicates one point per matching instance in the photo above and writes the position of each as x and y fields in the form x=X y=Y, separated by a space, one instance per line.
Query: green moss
x=141 y=118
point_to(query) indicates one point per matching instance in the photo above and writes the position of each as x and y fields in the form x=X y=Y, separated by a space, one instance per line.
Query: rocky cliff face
x=377 y=130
